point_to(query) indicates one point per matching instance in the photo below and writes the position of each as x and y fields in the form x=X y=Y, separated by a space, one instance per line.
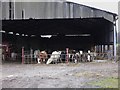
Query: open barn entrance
x=76 y=34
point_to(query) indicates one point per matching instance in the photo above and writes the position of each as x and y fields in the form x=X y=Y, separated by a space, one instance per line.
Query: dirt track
x=57 y=75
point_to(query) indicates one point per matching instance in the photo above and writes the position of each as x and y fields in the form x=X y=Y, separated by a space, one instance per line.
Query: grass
x=106 y=83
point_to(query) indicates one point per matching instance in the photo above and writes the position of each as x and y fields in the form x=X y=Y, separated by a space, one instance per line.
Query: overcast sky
x=108 y=5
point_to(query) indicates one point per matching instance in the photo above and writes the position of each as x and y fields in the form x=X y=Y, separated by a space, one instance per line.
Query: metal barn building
x=69 y=25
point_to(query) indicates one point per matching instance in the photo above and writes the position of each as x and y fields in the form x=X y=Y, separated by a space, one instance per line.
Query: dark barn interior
x=78 y=33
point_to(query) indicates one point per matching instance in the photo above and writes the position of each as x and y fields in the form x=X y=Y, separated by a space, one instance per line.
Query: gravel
x=56 y=75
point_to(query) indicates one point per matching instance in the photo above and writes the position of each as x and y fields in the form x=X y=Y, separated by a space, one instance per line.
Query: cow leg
x=88 y=58
x=56 y=62
x=35 y=60
x=75 y=60
x=38 y=60
x=60 y=60
x=41 y=60
x=44 y=60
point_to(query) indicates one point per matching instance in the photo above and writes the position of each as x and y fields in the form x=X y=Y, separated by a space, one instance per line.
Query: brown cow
x=42 y=57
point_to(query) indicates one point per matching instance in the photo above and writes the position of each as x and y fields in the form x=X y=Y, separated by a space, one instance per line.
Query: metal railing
x=73 y=58
x=63 y=58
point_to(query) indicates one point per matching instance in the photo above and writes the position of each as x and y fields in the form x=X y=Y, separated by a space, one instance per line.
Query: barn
x=56 y=26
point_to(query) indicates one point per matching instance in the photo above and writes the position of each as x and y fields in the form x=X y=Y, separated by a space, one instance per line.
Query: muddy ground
x=81 y=75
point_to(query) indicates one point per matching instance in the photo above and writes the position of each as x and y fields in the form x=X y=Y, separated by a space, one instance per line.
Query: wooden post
x=67 y=55
x=31 y=55
x=22 y=55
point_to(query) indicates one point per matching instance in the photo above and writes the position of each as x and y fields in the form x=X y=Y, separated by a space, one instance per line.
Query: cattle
x=93 y=55
x=14 y=56
x=36 y=55
x=75 y=57
x=81 y=57
x=54 y=57
x=43 y=56
x=40 y=56
x=63 y=56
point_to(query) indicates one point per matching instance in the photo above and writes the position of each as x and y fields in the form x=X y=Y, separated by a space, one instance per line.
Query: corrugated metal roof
x=52 y=10
x=94 y=8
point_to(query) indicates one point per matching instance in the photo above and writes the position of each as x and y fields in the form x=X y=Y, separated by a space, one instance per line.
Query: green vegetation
x=106 y=83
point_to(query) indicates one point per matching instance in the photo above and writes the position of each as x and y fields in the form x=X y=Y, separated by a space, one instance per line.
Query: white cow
x=54 y=57
x=36 y=55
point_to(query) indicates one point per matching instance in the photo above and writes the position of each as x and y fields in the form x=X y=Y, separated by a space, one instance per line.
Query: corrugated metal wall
x=50 y=10
x=5 y=10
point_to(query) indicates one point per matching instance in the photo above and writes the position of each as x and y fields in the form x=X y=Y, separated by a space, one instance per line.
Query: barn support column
x=22 y=55
x=95 y=49
x=31 y=55
x=114 y=40
x=108 y=47
x=103 y=48
x=67 y=55
x=111 y=49
x=1 y=45
x=100 y=48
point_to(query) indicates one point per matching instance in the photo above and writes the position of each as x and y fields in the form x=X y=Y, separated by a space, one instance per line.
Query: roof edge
x=114 y=14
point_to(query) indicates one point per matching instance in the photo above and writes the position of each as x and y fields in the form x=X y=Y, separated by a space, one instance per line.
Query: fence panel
x=61 y=58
